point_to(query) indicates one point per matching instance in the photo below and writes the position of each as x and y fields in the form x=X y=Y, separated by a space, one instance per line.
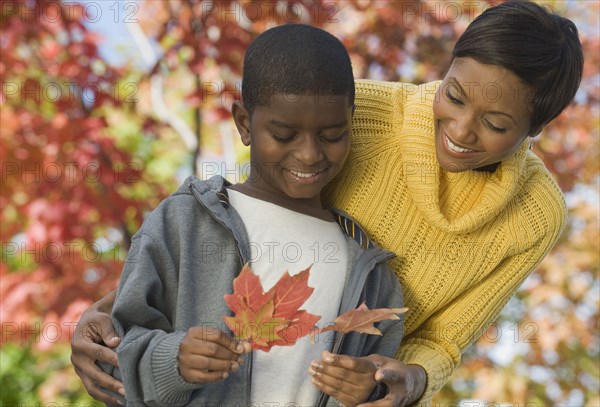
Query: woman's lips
x=454 y=149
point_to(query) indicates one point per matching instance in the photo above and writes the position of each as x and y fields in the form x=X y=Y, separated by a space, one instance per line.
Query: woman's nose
x=464 y=130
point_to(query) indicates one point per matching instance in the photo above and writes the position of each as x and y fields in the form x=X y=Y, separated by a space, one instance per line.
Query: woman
x=454 y=191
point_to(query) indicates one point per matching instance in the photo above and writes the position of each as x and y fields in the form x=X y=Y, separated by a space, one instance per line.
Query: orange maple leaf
x=272 y=318
x=362 y=319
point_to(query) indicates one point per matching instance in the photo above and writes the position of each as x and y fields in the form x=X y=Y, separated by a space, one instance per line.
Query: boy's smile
x=297 y=144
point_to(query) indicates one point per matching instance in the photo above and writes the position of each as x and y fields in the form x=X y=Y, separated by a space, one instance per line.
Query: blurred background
x=106 y=106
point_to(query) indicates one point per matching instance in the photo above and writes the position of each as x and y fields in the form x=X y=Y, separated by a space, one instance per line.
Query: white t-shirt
x=280 y=240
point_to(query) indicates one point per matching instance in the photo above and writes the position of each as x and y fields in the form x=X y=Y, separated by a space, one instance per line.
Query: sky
x=109 y=19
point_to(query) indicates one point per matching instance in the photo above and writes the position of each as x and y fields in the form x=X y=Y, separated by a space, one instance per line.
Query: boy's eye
x=283 y=139
x=335 y=139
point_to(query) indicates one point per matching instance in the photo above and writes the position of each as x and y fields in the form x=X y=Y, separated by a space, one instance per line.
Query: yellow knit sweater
x=465 y=241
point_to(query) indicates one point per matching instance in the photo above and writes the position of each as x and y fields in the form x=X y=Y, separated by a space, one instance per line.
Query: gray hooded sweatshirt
x=180 y=264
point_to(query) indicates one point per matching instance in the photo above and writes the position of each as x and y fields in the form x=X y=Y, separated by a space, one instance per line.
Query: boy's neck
x=304 y=206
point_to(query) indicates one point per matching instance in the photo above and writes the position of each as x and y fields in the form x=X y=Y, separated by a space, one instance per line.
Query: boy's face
x=297 y=144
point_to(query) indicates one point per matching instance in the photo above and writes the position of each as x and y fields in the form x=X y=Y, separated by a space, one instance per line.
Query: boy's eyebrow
x=291 y=126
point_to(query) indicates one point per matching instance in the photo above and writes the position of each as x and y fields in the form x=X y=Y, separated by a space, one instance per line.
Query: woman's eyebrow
x=460 y=88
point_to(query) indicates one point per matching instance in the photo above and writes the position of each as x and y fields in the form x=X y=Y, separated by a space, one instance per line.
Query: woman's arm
x=352 y=380
x=438 y=344
x=405 y=383
x=93 y=340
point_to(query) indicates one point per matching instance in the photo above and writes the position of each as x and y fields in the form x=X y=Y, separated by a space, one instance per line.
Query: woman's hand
x=207 y=356
x=405 y=383
x=349 y=379
x=93 y=340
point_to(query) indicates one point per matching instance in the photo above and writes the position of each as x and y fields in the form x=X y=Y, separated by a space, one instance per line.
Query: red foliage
x=62 y=172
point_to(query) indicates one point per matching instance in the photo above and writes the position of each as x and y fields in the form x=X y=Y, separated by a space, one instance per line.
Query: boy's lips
x=306 y=177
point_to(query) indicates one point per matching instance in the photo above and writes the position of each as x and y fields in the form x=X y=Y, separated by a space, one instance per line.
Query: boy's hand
x=207 y=355
x=349 y=379
x=93 y=339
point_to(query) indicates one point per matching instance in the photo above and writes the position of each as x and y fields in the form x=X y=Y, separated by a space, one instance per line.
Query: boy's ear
x=241 y=117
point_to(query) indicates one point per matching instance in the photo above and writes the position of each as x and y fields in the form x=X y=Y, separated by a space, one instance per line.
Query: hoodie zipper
x=338 y=345
x=227 y=228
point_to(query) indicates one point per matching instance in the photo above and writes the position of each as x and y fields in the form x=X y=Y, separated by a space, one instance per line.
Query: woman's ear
x=241 y=117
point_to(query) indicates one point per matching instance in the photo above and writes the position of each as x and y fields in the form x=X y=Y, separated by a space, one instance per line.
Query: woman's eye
x=453 y=99
x=495 y=128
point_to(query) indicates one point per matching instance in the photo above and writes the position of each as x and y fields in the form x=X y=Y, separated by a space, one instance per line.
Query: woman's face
x=482 y=115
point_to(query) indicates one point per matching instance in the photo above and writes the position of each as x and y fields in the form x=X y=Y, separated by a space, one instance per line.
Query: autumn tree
x=87 y=148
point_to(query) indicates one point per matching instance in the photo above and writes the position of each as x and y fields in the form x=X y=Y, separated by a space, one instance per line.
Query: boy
x=298 y=97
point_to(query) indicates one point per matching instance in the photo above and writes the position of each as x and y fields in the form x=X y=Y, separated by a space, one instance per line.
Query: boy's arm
x=148 y=353
x=93 y=340
x=160 y=365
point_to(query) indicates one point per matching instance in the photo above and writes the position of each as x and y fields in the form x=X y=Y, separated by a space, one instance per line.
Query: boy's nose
x=309 y=151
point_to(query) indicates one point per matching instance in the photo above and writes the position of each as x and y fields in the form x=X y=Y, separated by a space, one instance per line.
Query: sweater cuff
x=171 y=387
x=437 y=367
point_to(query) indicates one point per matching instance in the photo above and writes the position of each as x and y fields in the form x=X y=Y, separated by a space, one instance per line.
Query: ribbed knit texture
x=465 y=241
x=170 y=386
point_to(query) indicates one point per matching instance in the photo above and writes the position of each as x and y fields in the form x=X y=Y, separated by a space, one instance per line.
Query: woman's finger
x=83 y=350
x=93 y=379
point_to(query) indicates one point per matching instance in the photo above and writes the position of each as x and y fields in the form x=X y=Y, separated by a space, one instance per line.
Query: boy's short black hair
x=540 y=47
x=295 y=59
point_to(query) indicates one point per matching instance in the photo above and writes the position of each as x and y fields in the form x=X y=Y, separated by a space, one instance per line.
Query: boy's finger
x=359 y=365
x=334 y=375
x=343 y=393
x=318 y=369
x=217 y=337
x=210 y=364
x=212 y=343
x=201 y=376
x=387 y=401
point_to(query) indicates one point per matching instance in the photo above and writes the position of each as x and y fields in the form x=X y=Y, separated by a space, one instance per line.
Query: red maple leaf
x=362 y=319
x=272 y=318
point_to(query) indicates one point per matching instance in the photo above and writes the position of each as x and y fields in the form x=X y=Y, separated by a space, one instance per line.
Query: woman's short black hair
x=538 y=46
x=295 y=59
